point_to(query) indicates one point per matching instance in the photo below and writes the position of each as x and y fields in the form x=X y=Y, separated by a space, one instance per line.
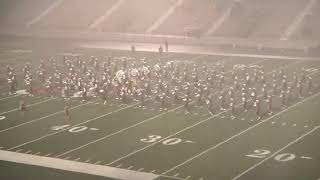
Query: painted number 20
x=262 y=153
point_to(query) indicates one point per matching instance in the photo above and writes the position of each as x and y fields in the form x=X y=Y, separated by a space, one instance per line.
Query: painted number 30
x=262 y=153
x=155 y=138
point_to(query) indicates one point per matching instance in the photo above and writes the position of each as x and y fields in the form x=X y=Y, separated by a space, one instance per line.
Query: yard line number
x=75 y=129
x=167 y=142
x=262 y=153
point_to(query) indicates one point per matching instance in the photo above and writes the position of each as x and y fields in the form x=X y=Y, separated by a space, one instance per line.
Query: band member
x=210 y=106
x=23 y=106
x=265 y=92
x=269 y=101
x=258 y=108
x=67 y=113
x=160 y=50
x=310 y=85
x=187 y=105
x=222 y=101
x=233 y=109
x=283 y=98
x=244 y=102
x=166 y=45
x=163 y=102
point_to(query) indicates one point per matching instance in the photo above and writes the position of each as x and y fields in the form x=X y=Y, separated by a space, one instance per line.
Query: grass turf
x=117 y=142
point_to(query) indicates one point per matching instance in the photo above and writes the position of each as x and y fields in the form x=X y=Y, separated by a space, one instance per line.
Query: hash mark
x=294 y=125
x=304 y=157
x=130 y=167
x=201 y=178
x=306 y=126
x=273 y=122
x=28 y=152
x=283 y=124
x=19 y=150
x=242 y=119
x=98 y=162
x=48 y=154
x=188 y=177
x=176 y=175
x=119 y=165
x=37 y=153
x=153 y=171
x=77 y=159
x=1 y=147
x=67 y=157
x=93 y=129
x=141 y=169
x=88 y=160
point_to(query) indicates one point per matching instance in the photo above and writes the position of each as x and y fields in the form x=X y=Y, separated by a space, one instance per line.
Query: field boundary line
x=30 y=105
x=38 y=119
x=92 y=119
x=275 y=153
x=240 y=133
x=73 y=166
x=9 y=97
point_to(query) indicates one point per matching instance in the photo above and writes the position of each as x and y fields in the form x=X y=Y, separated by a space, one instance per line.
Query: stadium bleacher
x=247 y=18
x=260 y=19
x=136 y=16
x=75 y=14
x=191 y=14
x=310 y=27
x=18 y=12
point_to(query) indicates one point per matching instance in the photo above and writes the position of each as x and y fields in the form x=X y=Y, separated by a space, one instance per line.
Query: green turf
x=117 y=140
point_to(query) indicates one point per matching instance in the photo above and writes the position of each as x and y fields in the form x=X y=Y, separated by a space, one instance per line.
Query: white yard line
x=119 y=131
x=34 y=104
x=296 y=24
x=242 y=132
x=9 y=97
x=35 y=120
x=51 y=134
x=74 y=166
x=275 y=153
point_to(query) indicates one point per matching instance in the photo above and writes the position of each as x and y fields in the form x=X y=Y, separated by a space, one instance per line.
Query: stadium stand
x=310 y=27
x=261 y=19
x=18 y=12
x=192 y=17
x=67 y=14
x=135 y=16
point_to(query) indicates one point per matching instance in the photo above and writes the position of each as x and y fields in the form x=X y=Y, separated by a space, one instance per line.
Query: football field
x=116 y=141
